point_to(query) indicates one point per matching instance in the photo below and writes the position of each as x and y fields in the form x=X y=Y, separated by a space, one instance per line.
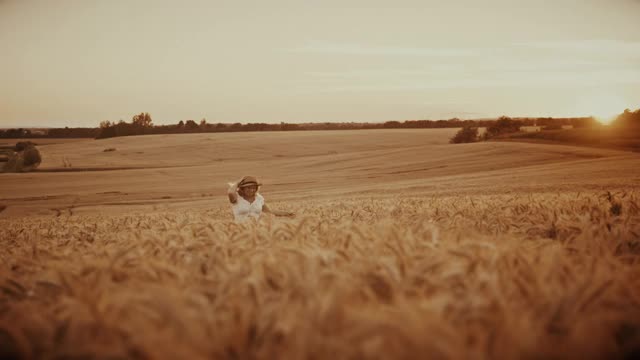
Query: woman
x=250 y=204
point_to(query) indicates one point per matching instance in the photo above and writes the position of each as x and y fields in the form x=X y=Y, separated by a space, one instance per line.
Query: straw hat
x=248 y=181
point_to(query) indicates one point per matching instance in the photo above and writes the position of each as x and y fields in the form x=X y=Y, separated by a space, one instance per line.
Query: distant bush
x=628 y=120
x=32 y=157
x=465 y=135
x=23 y=157
x=24 y=145
x=504 y=125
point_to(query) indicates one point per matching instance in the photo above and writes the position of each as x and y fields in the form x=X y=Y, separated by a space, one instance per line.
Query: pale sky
x=79 y=62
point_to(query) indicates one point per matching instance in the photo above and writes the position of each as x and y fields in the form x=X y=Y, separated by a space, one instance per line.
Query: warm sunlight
x=247 y=179
x=603 y=106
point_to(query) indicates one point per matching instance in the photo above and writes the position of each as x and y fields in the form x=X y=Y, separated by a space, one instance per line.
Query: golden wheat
x=546 y=275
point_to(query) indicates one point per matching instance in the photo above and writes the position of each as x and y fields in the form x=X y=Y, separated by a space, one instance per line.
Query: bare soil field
x=602 y=137
x=403 y=246
x=168 y=171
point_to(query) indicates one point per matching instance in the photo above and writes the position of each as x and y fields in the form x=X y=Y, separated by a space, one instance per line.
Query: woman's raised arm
x=232 y=192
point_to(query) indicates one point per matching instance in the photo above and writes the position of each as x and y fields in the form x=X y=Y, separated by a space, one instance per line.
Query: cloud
x=424 y=80
x=612 y=46
x=540 y=64
x=594 y=46
x=355 y=49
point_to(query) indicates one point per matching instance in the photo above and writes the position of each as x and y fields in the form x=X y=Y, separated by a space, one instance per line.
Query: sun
x=604 y=107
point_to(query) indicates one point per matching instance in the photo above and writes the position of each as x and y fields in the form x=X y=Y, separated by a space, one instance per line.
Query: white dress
x=243 y=210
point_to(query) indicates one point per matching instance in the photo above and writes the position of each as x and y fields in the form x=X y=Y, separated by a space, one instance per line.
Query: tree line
x=627 y=122
x=65 y=132
x=142 y=124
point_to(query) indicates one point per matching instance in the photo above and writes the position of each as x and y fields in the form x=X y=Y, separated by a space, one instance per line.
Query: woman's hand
x=232 y=191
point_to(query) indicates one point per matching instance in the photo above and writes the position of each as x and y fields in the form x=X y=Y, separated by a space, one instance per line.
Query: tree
x=142 y=120
x=629 y=120
x=287 y=127
x=465 y=135
x=503 y=125
x=391 y=124
x=191 y=125
x=107 y=132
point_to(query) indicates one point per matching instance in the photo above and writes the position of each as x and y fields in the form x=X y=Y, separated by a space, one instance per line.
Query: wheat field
x=484 y=277
x=402 y=247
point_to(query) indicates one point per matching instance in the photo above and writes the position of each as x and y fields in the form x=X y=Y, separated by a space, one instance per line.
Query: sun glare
x=604 y=107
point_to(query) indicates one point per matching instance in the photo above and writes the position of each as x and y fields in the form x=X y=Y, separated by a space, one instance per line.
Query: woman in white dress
x=247 y=203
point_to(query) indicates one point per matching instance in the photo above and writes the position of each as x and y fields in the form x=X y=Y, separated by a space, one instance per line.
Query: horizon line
x=5 y=127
